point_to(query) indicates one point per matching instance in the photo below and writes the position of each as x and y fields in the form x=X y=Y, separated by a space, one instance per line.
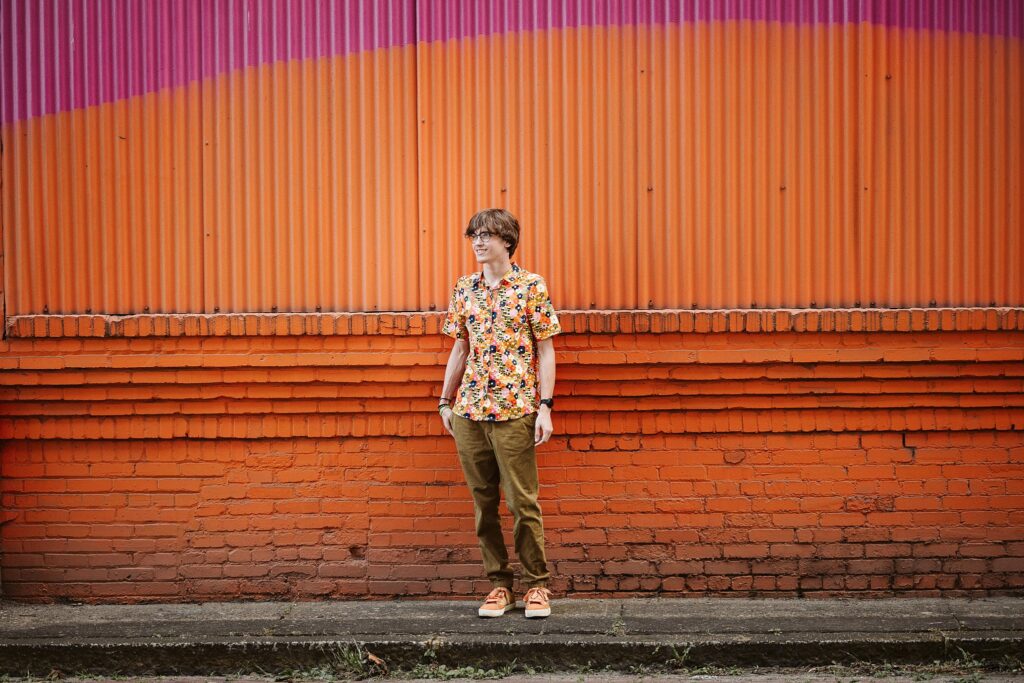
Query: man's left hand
x=543 y=431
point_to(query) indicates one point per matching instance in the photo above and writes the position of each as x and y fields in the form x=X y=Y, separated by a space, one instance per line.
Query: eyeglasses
x=483 y=235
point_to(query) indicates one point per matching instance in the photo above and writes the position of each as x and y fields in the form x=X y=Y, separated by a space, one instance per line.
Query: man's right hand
x=446 y=418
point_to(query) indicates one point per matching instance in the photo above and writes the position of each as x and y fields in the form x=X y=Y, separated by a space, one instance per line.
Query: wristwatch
x=549 y=402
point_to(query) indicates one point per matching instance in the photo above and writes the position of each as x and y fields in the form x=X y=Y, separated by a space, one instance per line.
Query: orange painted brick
x=967 y=507
x=41 y=363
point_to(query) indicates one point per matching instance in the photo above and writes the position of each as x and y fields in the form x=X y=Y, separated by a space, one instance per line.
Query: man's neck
x=494 y=270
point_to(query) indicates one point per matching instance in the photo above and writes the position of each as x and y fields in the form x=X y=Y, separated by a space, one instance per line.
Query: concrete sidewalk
x=670 y=634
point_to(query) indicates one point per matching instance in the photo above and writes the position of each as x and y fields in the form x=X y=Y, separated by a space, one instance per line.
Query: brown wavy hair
x=499 y=222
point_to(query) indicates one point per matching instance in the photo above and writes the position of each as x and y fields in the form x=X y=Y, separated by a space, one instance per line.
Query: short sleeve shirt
x=502 y=326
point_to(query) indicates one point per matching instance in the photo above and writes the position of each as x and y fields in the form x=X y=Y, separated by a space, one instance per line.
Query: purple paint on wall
x=455 y=19
x=242 y=33
x=66 y=54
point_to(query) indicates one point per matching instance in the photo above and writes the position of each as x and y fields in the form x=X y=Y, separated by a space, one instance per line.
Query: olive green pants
x=498 y=456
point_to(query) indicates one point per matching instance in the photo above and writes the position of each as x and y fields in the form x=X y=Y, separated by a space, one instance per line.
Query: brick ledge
x=581 y=322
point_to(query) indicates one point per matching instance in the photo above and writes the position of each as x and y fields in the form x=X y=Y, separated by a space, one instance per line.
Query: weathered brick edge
x=586 y=322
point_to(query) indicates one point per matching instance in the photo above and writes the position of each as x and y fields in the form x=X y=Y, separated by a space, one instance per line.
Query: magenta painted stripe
x=243 y=33
x=456 y=19
x=997 y=17
x=67 y=54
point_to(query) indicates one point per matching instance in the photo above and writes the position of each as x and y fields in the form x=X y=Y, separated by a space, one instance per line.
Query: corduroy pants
x=500 y=456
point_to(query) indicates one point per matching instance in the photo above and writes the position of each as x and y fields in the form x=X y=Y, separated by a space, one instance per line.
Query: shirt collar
x=509 y=278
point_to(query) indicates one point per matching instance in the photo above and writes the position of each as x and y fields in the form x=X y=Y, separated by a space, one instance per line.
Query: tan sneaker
x=499 y=601
x=537 y=602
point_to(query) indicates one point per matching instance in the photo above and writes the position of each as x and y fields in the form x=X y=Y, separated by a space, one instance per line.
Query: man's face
x=488 y=246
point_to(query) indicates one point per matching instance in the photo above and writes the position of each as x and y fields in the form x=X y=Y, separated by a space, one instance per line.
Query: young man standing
x=497 y=399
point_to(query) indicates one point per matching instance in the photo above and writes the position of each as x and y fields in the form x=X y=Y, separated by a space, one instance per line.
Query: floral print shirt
x=501 y=325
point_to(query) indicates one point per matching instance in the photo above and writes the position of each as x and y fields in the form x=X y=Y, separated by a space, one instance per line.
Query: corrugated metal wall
x=101 y=161
x=309 y=179
x=535 y=111
x=252 y=155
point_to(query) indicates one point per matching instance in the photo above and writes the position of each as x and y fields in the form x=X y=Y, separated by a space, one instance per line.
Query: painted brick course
x=281 y=456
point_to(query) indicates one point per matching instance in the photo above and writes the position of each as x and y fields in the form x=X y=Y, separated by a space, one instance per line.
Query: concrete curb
x=662 y=634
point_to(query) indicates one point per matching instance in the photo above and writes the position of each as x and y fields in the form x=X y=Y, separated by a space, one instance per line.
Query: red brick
x=627 y=567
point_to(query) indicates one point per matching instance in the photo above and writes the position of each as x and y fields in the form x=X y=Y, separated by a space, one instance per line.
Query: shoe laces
x=498 y=594
x=537 y=594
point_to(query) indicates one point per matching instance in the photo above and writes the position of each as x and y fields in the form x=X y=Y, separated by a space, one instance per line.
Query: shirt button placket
x=488 y=320
x=492 y=299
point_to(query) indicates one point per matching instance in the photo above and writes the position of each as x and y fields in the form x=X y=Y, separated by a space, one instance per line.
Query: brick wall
x=767 y=453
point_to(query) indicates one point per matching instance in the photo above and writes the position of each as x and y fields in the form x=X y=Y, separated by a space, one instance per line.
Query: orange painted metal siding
x=543 y=123
x=848 y=165
x=323 y=156
x=102 y=204
x=309 y=185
